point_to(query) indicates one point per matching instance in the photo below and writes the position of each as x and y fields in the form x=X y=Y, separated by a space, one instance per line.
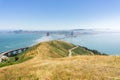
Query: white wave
x=44 y=39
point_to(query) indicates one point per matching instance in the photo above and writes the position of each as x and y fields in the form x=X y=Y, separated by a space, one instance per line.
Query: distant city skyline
x=59 y=14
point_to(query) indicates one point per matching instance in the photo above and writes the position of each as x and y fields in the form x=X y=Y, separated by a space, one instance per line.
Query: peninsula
x=60 y=60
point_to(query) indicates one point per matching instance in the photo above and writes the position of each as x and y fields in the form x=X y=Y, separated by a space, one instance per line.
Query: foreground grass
x=50 y=61
x=69 y=68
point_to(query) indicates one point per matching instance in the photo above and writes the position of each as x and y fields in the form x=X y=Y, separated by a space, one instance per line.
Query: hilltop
x=51 y=61
x=48 y=50
x=55 y=49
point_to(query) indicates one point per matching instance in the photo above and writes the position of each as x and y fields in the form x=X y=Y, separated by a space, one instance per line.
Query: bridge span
x=14 y=52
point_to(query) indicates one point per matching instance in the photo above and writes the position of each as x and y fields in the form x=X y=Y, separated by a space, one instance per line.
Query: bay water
x=108 y=43
x=104 y=42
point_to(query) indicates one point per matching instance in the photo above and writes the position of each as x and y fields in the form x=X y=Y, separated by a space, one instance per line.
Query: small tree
x=16 y=58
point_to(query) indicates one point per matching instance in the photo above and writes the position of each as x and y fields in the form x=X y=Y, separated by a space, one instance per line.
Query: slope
x=48 y=64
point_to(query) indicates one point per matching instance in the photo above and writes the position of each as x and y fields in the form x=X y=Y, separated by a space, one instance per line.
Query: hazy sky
x=59 y=14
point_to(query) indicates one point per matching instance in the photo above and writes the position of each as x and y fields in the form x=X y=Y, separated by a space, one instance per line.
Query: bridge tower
x=47 y=34
x=72 y=33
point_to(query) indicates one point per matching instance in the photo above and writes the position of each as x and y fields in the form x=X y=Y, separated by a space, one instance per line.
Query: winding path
x=70 y=51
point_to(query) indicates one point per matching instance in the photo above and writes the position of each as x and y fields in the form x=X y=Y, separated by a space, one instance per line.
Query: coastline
x=42 y=39
x=98 y=42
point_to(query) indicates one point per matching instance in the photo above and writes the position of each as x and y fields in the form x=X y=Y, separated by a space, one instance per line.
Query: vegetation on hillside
x=50 y=61
x=81 y=51
x=95 y=52
x=15 y=60
x=51 y=49
x=68 y=68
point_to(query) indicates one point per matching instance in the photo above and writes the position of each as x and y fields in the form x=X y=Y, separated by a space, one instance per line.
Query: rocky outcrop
x=4 y=58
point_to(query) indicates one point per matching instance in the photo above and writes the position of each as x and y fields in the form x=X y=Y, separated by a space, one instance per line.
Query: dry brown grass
x=45 y=67
x=52 y=49
x=69 y=68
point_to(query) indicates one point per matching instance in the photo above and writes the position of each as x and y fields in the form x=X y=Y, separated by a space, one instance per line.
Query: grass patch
x=80 y=51
x=94 y=51
x=15 y=60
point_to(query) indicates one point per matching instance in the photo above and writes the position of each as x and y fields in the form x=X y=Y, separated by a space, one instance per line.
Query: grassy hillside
x=81 y=51
x=51 y=49
x=55 y=49
x=69 y=68
x=50 y=61
x=45 y=50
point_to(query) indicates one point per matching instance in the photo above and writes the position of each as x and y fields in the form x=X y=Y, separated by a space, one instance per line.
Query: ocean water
x=10 y=41
x=104 y=42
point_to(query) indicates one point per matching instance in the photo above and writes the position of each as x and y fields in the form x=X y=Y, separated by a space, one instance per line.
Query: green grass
x=95 y=52
x=61 y=47
x=13 y=60
x=80 y=51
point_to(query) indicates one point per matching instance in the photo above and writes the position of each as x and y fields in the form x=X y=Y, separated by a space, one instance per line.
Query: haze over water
x=104 y=42
x=38 y=15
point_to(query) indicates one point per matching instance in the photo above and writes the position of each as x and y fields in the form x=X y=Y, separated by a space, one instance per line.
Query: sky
x=59 y=14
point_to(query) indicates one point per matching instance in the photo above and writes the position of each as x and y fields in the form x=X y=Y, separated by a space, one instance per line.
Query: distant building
x=18 y=31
